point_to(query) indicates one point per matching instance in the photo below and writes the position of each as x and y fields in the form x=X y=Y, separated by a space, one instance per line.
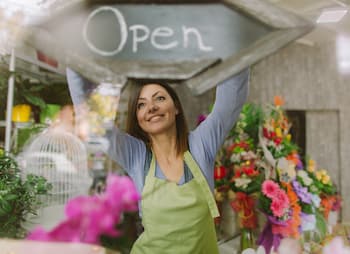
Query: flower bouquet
x=275 y=140
x=279 y=203
x=245 y=171
x=329 y=199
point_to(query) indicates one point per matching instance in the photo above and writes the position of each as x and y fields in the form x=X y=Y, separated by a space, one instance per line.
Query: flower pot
x=21 y=113
x=49 y=113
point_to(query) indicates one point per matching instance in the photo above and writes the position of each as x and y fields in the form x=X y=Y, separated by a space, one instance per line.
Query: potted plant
x=18 y=196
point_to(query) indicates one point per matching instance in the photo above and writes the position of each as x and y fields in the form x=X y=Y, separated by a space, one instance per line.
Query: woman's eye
x=140 y=105
x=160 y=98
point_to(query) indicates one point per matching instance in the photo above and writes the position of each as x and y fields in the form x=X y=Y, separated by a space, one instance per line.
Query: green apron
x=177 y=219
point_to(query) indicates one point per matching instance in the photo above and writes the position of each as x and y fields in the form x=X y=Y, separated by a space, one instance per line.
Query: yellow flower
x=278 y=132
x=323 y=172
x=318 y=175
x=289 y=137
x=312 y=165
x=247 y=162
x=325 y=179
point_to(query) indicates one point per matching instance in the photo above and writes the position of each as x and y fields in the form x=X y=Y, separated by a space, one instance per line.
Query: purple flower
x=302 y=192
x=308 y=222
x=299 y=165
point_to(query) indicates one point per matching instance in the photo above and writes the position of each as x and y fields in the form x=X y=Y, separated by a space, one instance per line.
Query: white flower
x=316 y=200
x=242 y=182
x=235 y=157
x=305 y=178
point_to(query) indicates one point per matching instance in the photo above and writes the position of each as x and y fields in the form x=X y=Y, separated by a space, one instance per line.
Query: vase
x=247 y=239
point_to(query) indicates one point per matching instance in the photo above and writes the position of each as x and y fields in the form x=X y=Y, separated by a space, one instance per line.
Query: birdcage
x=61 y=158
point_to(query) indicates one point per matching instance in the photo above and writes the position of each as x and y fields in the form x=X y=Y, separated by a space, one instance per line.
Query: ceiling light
x=331 y=16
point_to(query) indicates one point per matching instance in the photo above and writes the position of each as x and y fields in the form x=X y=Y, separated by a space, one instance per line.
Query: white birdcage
x=61 y=158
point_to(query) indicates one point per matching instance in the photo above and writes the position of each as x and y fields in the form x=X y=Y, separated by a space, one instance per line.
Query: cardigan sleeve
x=126 y=150
x=230 y=97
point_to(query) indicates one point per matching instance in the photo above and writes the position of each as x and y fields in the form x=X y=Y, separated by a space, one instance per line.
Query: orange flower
x=293 y=157
x=278 y=101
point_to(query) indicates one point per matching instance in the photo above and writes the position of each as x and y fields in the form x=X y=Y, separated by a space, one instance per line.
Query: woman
x=171 y=167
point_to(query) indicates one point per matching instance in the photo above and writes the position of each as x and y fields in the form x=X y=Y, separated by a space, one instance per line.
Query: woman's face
x=156 y=111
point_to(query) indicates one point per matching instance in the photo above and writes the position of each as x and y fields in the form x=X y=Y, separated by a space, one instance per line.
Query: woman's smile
x=156 y=111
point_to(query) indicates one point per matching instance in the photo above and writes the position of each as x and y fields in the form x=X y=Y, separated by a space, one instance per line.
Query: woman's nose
x=152 y=108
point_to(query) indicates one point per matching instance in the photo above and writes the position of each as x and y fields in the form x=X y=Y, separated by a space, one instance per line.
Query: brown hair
x=133 y=127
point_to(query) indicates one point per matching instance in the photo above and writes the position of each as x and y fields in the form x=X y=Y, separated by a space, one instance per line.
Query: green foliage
x=18 y=197
x=321 y=226
x=264 y=204
x=288 y=148
x=36 y=94
x=249 y=121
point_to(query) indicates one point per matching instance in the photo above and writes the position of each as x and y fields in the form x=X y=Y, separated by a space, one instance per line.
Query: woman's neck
x=164 y=146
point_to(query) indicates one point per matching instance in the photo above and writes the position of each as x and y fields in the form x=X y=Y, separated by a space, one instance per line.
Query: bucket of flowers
x=245 y=171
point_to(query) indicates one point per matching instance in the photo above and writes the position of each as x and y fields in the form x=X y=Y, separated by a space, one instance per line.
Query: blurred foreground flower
x=88 y=218
x=336 y=246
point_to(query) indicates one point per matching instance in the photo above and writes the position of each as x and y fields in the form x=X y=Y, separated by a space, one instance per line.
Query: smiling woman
x=154 y=104
x=172 y=167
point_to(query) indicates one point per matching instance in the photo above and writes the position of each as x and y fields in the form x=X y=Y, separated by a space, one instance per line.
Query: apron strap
x=199 y=177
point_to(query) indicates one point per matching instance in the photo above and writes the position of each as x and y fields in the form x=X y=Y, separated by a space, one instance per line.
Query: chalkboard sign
x=199 y=43
x=158 y=32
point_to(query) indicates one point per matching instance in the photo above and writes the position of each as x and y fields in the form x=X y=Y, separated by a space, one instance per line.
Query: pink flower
x=121 y=193
x=281 y=197
x=269 y=188
x=39 y=234
x=90 y=217
x=278 y=209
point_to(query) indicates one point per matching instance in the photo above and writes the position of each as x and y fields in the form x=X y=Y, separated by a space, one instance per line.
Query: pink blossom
x=269 y=188
x=121 y=193
x=281 y=197
x=278 y=209
x=39 y=233
x=90 y=217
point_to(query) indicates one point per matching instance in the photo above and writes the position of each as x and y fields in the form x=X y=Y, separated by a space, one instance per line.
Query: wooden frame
x=199 y=76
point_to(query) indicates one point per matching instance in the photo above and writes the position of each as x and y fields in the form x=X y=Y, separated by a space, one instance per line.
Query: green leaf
x=37 y=101
x=11 y=197
x=5 y=206
x=321 y=226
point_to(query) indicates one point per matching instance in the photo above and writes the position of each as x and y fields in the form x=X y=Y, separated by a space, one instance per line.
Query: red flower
x=272 y=134
x=266 y=133
x=278 y=141
x=219 y=173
